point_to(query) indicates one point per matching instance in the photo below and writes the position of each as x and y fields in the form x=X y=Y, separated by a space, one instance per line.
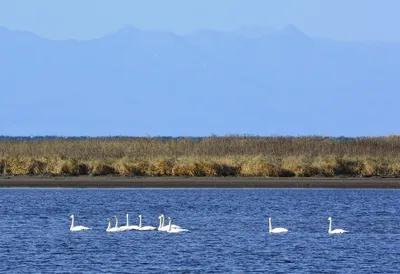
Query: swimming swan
x=335 y=231
x=121 y=228
x=161 y=226
x=277 y=229
x=111 y=229
x=144 y=228
x=77 y=228
x=174 y=230
x=129 y=227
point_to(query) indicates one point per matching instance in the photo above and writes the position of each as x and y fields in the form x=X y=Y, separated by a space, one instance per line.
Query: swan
x=277 y=229
x=122 y=228
x=335 y=231
x=111 y=229
x=78 y=227
x=171 y=229
x=174 y=230
x=161 y=226
x=144 y=228
x=129 y=227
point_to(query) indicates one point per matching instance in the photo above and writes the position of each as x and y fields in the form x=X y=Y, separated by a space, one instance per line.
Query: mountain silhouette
x=249 y=81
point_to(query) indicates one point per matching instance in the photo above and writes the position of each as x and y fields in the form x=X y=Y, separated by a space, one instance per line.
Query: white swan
x=129 y=227
x=174 y=230
x=111 y=229
x=121 y=228
x=144 y=228
x=163 y=227
x=78 y=227
x=335 y=231
x=277 y=229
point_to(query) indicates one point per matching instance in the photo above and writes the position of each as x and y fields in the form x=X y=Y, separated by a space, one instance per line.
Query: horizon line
x=2 y=137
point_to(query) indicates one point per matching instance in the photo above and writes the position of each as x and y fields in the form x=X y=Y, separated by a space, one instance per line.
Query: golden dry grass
x=213 y=156
x=259 y=166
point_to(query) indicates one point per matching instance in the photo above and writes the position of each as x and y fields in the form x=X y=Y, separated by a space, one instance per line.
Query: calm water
x=228 y=231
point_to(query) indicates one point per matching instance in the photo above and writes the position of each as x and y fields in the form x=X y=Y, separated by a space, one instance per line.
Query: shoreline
x=196 y=182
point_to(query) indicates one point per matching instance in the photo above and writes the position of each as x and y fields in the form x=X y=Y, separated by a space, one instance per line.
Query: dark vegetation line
x=201 y=156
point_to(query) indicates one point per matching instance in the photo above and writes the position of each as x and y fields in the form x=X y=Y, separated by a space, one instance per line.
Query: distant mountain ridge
x=250 y=81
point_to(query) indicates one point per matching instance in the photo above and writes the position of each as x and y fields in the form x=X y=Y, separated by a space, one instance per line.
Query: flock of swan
x=170 y=228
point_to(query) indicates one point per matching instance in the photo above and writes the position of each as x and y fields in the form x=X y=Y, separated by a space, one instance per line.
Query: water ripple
x=228 y=231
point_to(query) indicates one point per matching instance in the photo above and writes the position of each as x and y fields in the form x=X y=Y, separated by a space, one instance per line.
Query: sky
x=351 y=20
x=344 y=20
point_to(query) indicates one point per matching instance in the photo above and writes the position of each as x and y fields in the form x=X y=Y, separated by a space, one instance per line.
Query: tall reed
x=210 y=156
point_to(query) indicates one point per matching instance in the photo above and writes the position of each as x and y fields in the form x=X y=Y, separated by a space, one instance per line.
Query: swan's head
x=115 y=217
x=330 y=219
x=140 y=216
x=108 y=220
x=72 y=216
x=169 y=218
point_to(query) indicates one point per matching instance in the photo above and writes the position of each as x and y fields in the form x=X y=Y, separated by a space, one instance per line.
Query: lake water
x=228 y=231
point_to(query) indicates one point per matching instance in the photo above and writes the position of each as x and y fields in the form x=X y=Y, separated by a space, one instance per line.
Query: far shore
x=196 y=182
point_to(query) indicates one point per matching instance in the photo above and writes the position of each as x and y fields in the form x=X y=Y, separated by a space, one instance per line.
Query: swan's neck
x=169 y=225
x=160 y=224
x=140 y=221
x=270 y=224
x=127 y=220
x=330 y=226
x=116 y=222
x=109 y=226
x=72 y=222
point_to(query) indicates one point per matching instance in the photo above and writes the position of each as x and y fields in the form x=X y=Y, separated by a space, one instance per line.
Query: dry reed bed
x=212 y=156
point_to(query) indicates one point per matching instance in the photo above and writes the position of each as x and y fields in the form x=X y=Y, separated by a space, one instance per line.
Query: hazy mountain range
x=251 y=81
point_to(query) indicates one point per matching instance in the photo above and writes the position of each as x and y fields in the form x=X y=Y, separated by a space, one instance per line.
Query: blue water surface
x=228 y=231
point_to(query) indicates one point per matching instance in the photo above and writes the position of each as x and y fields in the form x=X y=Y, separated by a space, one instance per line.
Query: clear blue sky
x=85 y=19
